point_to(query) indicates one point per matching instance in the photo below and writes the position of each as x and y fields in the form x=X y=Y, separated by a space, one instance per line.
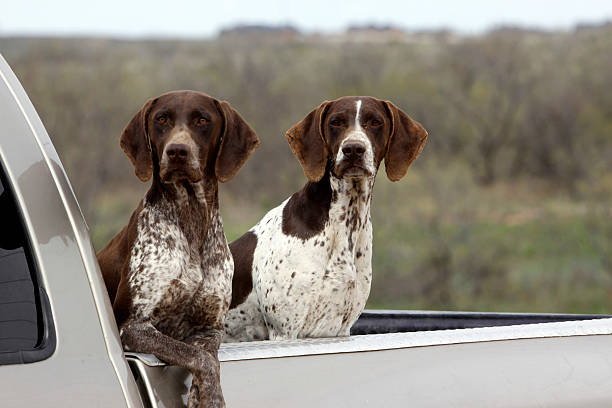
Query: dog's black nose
x=178 y=151
x=353 y=150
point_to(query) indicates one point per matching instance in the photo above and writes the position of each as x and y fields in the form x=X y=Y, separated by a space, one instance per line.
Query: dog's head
x=354 y=134
x=186 y=136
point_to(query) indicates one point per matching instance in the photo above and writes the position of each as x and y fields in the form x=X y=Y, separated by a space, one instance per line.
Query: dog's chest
x=178 y=287
x=344 y=283
x=316 y=286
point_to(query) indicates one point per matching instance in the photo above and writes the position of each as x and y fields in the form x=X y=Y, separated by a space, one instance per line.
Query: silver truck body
x=562 y=364
x=87 y=367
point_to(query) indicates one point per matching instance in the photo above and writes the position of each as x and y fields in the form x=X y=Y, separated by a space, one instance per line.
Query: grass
x=539 y=266
x=453 y=245
x=511 y=247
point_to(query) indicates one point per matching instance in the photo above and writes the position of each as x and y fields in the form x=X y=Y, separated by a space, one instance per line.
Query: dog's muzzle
x=179 y=161
x=353 y=160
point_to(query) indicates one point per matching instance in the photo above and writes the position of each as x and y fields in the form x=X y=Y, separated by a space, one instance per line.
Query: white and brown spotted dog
x=169 y=271
x=305 y=269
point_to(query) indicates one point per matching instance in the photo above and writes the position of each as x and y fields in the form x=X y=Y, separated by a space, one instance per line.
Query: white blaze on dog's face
x=355 y=130
x=354 y=134
x=355 y=154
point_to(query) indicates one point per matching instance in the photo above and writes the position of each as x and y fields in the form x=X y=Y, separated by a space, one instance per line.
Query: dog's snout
x=178 y=151
x=181 y=159
x=354 y=150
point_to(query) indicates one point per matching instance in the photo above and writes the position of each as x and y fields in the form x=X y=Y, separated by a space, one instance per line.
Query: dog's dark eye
x=335 y=122
x=202 y=121
x=162 y=119
x=375 y=122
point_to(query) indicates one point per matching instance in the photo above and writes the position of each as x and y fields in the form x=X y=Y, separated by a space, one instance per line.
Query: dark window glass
x=23 y=334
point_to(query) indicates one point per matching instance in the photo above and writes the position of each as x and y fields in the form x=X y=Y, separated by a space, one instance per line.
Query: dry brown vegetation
x=508 y=208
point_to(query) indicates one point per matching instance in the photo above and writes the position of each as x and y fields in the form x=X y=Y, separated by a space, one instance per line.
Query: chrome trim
x=377 y=342
x=147 y=359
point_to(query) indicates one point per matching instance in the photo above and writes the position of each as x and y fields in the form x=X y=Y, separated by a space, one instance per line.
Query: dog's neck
x=194 y=207
x=342 y=205
x=350 y=206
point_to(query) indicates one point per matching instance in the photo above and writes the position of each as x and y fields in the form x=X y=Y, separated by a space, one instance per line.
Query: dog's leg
x=143 y=337
x=198 y=354
x=206 y=384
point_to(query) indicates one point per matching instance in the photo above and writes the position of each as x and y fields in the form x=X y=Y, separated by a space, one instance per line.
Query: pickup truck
x=59 y=344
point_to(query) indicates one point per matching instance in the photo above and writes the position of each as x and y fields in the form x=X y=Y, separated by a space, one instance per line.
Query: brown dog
x=169 y=271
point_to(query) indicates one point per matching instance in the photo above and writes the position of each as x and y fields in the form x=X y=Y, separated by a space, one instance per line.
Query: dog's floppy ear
x=407 y=139
x=306 y=141
x=136 y=144
x=238 y=142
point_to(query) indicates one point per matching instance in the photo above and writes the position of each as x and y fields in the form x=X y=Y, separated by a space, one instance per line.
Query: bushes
x=519 y=148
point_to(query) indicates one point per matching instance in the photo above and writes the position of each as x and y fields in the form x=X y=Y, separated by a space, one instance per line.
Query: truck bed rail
x=403 y=321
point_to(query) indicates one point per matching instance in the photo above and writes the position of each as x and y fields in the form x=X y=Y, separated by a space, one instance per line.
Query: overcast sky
x=192 y=18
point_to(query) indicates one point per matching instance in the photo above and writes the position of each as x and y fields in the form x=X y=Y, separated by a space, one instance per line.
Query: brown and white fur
x=169 y=271
x=305 y=269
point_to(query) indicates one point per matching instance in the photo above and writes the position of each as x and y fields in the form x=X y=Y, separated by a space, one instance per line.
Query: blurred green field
x=445 y=243
x=508 y=208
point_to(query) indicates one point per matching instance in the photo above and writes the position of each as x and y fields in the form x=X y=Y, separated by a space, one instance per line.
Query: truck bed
x=403 y=321
x=428 y=358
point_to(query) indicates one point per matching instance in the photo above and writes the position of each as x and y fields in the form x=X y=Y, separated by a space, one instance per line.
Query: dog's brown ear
x=136 y=145
x=406 y=140
x=306 y=141
x=238 y=142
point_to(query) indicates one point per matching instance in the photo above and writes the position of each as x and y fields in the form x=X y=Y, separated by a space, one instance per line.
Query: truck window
x=23 y=335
